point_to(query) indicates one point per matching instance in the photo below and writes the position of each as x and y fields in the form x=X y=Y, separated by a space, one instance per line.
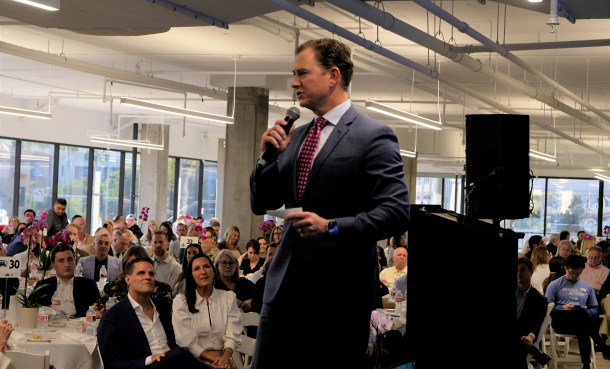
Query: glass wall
x=171 y=176
x=572 y=205
x=73 y=179
x=106 y=179
x=428 y=191
x=36 y=176
x=535 y=223
x=7 y=171
x=208 y=207
x=452 y=199
x=130 y=195
x=188 y=187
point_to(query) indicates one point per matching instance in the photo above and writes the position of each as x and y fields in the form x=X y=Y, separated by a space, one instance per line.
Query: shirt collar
x=135 y=304
x=166 y=260
x=592 y=267
x=214 y=297
x=71 y=283
x=526 y=292
x=401 y=270
x=333 y=116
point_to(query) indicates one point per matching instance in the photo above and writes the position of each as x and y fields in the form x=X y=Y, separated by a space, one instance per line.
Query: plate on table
x=36 y=338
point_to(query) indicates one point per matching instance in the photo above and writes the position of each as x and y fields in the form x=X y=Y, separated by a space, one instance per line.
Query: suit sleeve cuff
x=148 y=361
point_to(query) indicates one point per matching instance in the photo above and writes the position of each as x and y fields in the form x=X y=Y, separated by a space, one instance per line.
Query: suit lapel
x=75 y=295
x=131 y=316
x=341 y=128
x=294 y=157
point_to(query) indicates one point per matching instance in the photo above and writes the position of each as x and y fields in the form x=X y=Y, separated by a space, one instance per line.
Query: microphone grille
x=293 y=112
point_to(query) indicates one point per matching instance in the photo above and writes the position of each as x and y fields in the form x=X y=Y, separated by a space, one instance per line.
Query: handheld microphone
x=292 y=114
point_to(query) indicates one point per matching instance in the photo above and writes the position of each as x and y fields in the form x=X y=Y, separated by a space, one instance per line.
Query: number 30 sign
x=10 y=267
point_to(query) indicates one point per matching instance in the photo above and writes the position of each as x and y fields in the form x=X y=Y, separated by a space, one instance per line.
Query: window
x=188 y=188
x=106 y=176
x=452 y=188
x=572 y=205
x=72 y=179
x=428 y=191
x=171 y=174
x=128 y=194
x=535 y=223
x=36 y=177
x=7 y=171
x=208 y=206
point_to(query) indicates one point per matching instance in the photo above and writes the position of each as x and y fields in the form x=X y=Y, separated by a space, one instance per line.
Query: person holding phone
x=576 y=308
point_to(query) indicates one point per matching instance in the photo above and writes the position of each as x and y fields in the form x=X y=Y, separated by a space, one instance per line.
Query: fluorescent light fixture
x=177 y=111
x=112 y=141
x=543 y=156
x=602 y=177
x=51 y=5
x=401 y=114
x=535 y=1
x=409 y=154
x=24 y=113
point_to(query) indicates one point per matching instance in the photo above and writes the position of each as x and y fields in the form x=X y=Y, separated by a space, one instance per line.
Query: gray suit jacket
x=88 y=264
x=357 y=179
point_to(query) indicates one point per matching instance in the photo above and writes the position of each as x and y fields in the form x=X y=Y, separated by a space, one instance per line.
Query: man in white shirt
x=84 y=241
x=167 y=269
x=388 y=275
x=595 y=273
x=120 y=243
x=137 y=332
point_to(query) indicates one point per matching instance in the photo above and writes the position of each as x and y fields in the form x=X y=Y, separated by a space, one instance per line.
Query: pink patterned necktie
x=307 y=152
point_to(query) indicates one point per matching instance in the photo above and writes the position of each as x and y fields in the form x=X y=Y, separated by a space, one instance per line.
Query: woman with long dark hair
x=206 y=320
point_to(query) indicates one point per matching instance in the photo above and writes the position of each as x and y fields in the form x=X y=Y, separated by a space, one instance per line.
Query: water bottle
x=399 y=302
x=33 y=267
x=103 y=275
x=90 y=314
x=110 y=303
x=90 y=328
x=56 y=300
x=53 y=273
x=393 y=293
x=78 y=272
x=43 y=320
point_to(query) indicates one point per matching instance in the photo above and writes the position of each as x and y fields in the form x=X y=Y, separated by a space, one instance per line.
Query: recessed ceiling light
x=51 y=5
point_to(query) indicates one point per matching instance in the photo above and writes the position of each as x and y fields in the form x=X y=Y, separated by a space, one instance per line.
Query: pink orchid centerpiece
x=607 y=231
x=33 y=233
x=380 y=325
x=202 y=237
x=143 y=215
x=587 y=236
x=63 y=240
x=267 y=226
x=198 y=228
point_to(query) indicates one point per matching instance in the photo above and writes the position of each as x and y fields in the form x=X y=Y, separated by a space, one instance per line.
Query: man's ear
x=127 y=279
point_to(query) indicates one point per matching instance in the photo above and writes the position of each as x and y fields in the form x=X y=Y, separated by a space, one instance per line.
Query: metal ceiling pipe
x=472 y=49
x=333 y=28
x=287 y=36
x=387 y=21
x=465 y=28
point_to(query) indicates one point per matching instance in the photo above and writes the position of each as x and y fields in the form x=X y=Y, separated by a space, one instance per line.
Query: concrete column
x=153 y=172
x=241 y=152
x=220 y=180
x=409 y=166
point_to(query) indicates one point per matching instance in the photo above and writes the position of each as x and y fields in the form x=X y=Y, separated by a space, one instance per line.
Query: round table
x=65 y=354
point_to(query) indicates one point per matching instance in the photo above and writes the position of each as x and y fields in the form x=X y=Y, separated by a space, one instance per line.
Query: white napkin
x=89 y=341
x=18 y=336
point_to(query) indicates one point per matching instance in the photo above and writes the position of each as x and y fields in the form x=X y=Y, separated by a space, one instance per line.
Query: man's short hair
x=534 y=240
x=132 y=264
x=214 y=223
x=100 y=229
x=527 y=262
x=30 y=211
x=563 y=235
x=401 y=247
x=120 y=232
x=579 y=232
x=331 y=53
x=554 y=237
x=102 y=235
x=163 y=233
x=120 y=221
x=212 y=232
x=181 y=224
x=604 y=245
x=61 y=201
x=61 y=248
x=596 y=248
x=76 y=216
x=575 y=262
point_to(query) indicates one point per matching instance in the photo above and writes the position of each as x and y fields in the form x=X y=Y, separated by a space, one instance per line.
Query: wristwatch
x=331 y=227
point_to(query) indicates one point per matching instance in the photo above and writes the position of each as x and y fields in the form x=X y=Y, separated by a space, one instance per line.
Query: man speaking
x=345 y=170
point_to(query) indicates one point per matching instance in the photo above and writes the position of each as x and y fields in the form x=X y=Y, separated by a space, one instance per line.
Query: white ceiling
x=191 y=50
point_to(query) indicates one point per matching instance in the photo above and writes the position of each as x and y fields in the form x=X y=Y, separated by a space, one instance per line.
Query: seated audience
x=206 y=320
x=579 y=235
x=556 y=267
x=587 y=242
x=534 y=242
x=564 y=236
x=174 y=242
x=8 y=233
x=553 y=243
x=77 y=293
x=231 y=241
x=73 y=229
x=259 y=288
x=167 y=269
x=122 y=224
x=595 y=274
x=262 y=242
x=540 y=260
x=253 y=262
x=389 y=275
x=270 y=252
x=137 y=332
x=57 y=218
x=276 y=234
x=531 y=311
x=84 y=241
x=605 y=246
x=120 y=242
x=215 y=225
x=150 y=231
x=29 y=216
x=17 y=246
x=118 y=289
x=576 y=308
x=229 y=280
x=208 y=247
x=92 y=264
x=565 y=249
x=133 y=227
x=180 y=232
x=401 y=284
x=108 y=225
x=191 y=251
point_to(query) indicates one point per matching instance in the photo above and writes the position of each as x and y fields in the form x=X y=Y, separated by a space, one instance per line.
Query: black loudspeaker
x=497 y=166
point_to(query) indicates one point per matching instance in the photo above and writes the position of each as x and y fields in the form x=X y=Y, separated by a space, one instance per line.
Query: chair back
x=20 y=360
x=249 y=320
x=247 y=349
x=545 y=323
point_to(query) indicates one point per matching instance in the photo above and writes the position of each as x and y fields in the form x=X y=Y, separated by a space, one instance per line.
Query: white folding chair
x=20 y=360
x=564 y=360
x=247 y=349
x=249 y=320
x=541 y=338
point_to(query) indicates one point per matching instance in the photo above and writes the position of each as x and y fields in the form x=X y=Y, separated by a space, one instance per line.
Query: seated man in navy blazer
x=77 y=293
x=137 y=332
x=92 y=264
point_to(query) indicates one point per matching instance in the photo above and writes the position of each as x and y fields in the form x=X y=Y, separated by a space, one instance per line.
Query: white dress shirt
x=540 y=274
x=153 y=329
x=216 y=326
x=167 y=271
x=66 y=292
x=333 y=116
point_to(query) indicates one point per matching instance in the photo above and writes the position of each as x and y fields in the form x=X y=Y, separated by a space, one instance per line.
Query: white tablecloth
x=65 y=354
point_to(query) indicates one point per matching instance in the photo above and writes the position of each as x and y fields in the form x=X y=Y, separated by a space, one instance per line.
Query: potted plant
x=30 y=306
